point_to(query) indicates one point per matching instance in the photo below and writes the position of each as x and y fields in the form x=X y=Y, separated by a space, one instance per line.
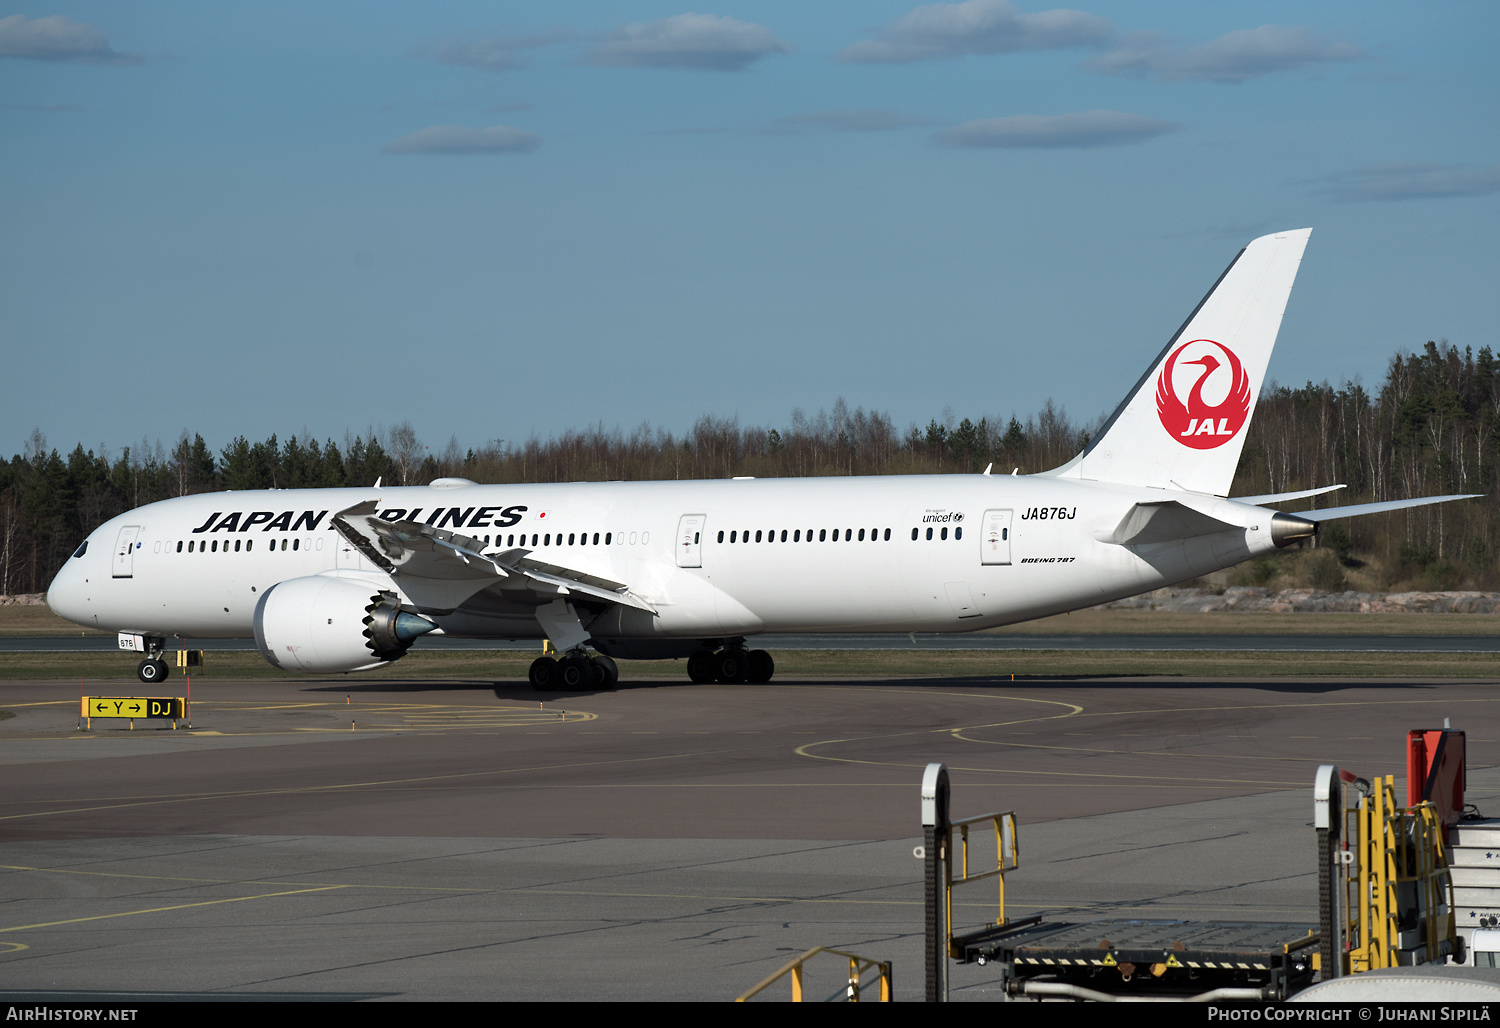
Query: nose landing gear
x=152 y=670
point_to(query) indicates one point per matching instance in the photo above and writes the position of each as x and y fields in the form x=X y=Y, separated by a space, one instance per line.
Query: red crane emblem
x=1197 y=423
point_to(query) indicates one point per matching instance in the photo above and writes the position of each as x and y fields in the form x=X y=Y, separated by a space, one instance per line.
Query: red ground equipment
x=1435 y=770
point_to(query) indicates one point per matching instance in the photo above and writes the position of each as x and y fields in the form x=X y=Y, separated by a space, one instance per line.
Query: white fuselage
x=186 y=567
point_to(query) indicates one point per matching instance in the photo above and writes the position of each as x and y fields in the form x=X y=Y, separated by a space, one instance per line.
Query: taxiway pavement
x=475 y=840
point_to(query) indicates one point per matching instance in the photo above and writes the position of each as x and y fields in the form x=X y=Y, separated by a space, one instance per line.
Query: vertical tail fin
x=1183 y=425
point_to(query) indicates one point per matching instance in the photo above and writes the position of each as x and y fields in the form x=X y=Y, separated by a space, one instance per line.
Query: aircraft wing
x=442 y=568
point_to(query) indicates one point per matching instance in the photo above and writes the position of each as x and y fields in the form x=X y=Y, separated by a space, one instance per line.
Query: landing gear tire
x=762 y=667
x=701 y=667
x=152 y=671
x=730 y=666
x=544 y=674
x=575 y=673
x=606 y=673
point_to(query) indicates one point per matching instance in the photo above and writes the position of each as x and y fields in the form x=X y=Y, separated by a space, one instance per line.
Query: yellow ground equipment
x=858 y=967
x=1386 y=895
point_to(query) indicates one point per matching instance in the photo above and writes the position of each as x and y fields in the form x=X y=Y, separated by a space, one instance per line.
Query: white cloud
x=978 y=27
x=1414 y=182
x=1057 y=131
x=703 y=41
x=58 y=38
x=456 y=139
x=490 y=53
x=1233 y=57
x=869 y=119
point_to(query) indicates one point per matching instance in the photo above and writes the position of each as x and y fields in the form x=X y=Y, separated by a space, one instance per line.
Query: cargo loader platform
x=1106 y=960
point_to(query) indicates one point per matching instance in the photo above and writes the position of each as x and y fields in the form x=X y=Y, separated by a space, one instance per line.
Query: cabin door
x=994 y=537
x=125 y=552
x=690 y=540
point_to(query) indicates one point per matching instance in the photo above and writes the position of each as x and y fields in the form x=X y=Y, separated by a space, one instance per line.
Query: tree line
x=1432 y=427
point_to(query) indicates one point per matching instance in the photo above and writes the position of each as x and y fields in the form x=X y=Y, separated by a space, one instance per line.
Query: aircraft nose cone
x=67 y=595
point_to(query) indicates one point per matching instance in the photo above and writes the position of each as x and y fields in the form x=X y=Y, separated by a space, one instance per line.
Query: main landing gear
x=731 y=664
x=575 y=670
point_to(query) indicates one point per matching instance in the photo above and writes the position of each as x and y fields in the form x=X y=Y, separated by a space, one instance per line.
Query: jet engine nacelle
x=326 y=625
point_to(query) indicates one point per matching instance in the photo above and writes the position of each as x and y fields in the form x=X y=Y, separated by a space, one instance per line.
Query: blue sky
x=497 y=220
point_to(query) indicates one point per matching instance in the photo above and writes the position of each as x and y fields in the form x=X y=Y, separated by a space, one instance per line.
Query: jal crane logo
x=1201 y=423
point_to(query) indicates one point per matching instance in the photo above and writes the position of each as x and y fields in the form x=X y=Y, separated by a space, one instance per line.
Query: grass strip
x=500 y=665
x=34 y=621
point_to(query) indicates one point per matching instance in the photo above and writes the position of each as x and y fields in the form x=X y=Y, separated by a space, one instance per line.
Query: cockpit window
x=83 y=548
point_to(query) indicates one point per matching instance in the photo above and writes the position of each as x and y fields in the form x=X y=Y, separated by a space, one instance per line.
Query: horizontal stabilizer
x=1283 y=497
x=1332 y=513
x=1162 y=521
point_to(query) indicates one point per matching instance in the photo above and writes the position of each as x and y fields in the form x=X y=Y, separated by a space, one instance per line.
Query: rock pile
x=1250 y=598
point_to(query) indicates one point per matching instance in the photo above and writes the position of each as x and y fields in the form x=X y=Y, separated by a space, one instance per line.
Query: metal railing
x=858 y=966
x=1007 y=857
x=1399 y=906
